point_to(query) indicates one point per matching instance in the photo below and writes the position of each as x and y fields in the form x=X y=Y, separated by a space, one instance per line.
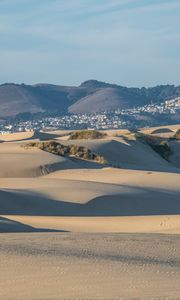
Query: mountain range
x=90 y=97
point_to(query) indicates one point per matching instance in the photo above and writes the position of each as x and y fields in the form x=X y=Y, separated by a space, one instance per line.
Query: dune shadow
x=10 y=226
x=135 y=202
x=70 y=163
x=162 y=130
x=38 y=135
x=145 y=202
x=135 y=155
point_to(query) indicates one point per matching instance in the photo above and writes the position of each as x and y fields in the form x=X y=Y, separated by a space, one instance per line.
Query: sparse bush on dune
x=87 y=134
x=176 y=136
x=162 y=147
x=67 y=150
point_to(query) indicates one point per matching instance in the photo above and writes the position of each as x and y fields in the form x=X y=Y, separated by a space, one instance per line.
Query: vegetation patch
x=176 y=136
x=57 y=148
x=162 y=147
x=87 y=135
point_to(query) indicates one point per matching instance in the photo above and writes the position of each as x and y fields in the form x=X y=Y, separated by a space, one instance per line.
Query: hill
x=90 y=96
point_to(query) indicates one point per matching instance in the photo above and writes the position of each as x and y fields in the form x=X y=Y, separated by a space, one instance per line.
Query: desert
x=73 y=228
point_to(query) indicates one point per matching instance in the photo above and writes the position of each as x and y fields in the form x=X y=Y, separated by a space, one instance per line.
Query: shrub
x=86 y=134
x=176 y=136
x=162 y=147
x=67 y=150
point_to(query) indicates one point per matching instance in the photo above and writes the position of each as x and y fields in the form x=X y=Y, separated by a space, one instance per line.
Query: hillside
x=90 y=96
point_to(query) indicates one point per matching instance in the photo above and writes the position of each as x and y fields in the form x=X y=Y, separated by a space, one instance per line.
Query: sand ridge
x=36 y=183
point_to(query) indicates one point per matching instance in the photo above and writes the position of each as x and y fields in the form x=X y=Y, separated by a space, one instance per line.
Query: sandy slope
x=106 y=193
x=15 y=161
x=53 y=197
x=9 y=225
x=139 y=178
x=175 y=157
x=138 y=224
x=76 y=188
x=159 y=128
x=16 y=136
x=124 y=153
x=28 y=135
x=89 y=266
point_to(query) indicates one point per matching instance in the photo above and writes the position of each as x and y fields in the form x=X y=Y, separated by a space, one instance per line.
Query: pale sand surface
x=28 y=135
x=16 y=136
x=137 y=224
x=89 y=266
x=121 y=176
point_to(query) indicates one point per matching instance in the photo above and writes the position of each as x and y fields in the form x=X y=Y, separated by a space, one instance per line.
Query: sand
x=89 y=266
x=28 y=135
x=167 y=128
x=126 y=154
x=16 y=161
x=71 y=229
x=127 y=224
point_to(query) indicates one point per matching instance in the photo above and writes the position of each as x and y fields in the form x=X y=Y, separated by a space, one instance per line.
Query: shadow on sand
x=135 y=155
x=11 y=226
x=135 y=202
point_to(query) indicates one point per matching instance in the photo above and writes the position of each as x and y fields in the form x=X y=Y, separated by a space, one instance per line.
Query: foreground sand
x=89 y=266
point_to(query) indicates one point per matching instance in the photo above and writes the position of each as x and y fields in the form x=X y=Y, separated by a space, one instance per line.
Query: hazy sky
x=129 y=42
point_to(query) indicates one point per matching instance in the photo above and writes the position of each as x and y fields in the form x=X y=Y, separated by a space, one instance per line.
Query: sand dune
x=125 y=224
x=159 y=128
x=15 y=161
x=9 y=225
x=126 y=154
x=139 y=178
x=51 y=196
x=17 y=136
x=78 y=188
x=28 y=135
x=109 y=132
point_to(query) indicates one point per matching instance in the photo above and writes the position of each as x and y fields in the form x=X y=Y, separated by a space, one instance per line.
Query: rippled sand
x=89 y=266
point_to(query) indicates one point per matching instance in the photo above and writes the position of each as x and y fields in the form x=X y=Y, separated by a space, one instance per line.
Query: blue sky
x=128 y=42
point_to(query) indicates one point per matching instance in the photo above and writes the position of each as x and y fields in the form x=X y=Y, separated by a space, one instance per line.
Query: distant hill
x=90 y=96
